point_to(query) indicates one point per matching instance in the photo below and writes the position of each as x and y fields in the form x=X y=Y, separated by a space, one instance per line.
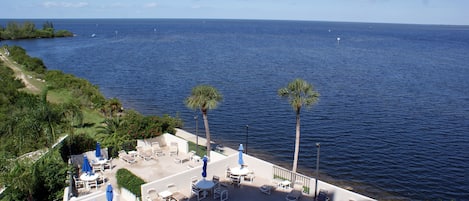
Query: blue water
x=392 y=119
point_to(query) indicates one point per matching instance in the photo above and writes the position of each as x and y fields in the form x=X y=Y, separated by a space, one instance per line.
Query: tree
x=298 y=93
x=20 y=177
x=204 y=97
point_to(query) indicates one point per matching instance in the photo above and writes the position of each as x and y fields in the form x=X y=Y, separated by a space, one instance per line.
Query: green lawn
x=202 y=149
x=92 y=119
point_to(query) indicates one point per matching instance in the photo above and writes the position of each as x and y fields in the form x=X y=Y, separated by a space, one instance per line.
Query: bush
x=126 y=179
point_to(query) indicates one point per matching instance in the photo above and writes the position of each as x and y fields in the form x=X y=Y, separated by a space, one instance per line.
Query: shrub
x=128 y=180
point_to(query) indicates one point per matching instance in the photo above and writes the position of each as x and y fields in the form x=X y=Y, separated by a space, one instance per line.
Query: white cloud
x=50 y=4
x=150 y=5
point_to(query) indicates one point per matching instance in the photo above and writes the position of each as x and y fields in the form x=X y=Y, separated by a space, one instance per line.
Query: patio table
x=239 y=171
x=205 y=185
x=87 y=178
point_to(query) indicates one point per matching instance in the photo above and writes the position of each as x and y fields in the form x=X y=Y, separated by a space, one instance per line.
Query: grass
x=92 y=119
x=59 y=96
x=202 y=151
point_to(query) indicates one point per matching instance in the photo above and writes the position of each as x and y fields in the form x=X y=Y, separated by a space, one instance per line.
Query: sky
x=454 y=12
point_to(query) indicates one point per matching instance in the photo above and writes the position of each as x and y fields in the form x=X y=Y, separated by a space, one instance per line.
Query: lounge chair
x=173 y=149
x=296 y=193
x=126 y=157
x=184 y=158
x=157 y=149
x=175 y=194
x=147 y=154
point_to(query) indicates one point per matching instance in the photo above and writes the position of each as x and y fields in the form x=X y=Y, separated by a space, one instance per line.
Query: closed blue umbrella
x=109 y=194
x=86 y=165
x=240 y=157
x=204 y=168
x=98 y=150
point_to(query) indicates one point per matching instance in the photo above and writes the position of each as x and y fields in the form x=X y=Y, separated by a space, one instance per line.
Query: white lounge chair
x=173 y=149
x=126 y=157
x=184 y=158
x=157 y=149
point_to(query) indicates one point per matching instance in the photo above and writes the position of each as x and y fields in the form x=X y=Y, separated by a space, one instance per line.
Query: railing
x=284 y=174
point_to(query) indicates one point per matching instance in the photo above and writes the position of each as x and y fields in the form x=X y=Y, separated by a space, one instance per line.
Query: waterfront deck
x=162 y=171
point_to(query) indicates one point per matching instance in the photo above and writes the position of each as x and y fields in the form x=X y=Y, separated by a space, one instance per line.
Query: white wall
x=183 y=146
x=261 y=168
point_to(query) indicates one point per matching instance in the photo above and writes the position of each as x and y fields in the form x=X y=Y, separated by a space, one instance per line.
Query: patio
x=162 y=171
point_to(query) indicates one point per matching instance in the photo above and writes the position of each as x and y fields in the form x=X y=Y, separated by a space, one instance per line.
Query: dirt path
x=19 y=74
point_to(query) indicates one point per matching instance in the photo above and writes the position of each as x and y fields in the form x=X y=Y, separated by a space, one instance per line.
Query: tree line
x=27 y=30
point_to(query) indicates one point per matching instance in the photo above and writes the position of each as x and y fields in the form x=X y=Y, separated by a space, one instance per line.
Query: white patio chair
x=173 y=149
x=250 y=176
x=157 y=149
x=126 y=157
x=79 y=184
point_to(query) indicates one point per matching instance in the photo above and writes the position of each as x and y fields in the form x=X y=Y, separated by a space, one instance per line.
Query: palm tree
x=298 y=93
x=204 y=97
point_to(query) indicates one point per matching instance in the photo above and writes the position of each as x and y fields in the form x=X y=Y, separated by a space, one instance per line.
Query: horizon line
x=239 y=19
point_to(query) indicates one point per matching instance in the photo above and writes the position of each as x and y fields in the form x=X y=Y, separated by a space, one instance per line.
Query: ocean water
x=393 y=116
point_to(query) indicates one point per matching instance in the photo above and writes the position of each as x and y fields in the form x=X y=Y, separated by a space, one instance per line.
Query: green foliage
x=77 y=144
x=121 y=132
x=202 y=151
x=82 y=90
x=126 y=179
x=141 y=127
x=10 y=86
x=27 y=30
x=51 y=171
x=18 y=54
x=20 y=177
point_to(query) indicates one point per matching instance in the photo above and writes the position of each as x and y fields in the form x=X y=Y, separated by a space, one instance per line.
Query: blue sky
x=388 y=11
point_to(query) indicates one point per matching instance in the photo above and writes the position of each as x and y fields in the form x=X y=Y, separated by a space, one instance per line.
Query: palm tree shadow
x=86 y=125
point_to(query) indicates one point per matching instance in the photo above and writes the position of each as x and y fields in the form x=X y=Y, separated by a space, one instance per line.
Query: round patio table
x=205 y=184
x=239 y=171
x=88 y=177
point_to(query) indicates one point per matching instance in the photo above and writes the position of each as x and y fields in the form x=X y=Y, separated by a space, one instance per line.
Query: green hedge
x=128 y=180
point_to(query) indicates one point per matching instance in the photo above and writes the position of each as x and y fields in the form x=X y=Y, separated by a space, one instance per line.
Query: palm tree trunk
x=297 y=141
x=207 y=132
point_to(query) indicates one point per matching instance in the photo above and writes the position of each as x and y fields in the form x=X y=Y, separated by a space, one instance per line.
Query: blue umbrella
x=86 y=165
x=109 y=194
x=240 y=157
x=204 y=168
x=98 y=150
